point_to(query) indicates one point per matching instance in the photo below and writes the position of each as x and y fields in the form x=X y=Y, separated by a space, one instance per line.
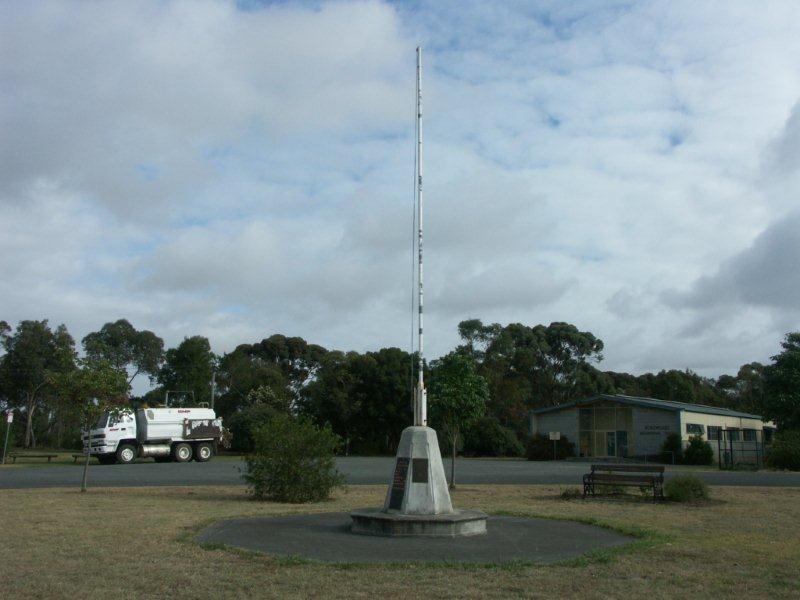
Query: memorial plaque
x=419 y=470
x=398 y=483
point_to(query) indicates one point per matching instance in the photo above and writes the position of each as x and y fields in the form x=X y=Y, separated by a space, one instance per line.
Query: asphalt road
x=359 y=470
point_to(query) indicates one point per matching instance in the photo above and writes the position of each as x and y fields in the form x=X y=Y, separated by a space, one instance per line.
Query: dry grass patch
x=62 y=544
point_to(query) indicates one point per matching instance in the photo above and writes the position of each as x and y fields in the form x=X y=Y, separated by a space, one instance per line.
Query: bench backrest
x=609 y=468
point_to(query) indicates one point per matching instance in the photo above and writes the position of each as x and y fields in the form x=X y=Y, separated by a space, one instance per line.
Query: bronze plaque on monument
x=419 y=470
x=398 y=483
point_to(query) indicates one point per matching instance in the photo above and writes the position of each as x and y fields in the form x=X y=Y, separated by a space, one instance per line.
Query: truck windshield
x=101 y=422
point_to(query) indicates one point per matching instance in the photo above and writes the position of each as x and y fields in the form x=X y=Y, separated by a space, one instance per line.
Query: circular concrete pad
x=326 y=537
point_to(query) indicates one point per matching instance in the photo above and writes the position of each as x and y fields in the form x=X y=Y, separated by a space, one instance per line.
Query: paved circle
x=326 y=538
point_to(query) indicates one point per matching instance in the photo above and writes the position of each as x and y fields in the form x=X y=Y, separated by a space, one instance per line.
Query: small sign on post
x=9 y=420
x=555 y=436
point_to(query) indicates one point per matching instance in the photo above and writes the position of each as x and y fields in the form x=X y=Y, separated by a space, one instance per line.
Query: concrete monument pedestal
x=418 y=501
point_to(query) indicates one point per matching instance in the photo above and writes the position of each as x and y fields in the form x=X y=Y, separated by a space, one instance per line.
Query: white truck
x=166 y=434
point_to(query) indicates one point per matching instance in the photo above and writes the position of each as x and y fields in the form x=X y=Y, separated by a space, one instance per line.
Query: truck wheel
x=203 y=452
x=126 y=454
x=182 y=452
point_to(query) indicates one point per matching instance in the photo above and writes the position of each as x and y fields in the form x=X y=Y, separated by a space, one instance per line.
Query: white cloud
x=199 y=168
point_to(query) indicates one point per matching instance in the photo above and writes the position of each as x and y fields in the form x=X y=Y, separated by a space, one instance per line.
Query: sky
x=235 y=170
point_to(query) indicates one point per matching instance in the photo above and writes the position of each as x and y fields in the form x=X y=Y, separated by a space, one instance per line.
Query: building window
x=586 y=419
x=713 y=432
x=768 y=432
x=749 y=435
x=694 y=429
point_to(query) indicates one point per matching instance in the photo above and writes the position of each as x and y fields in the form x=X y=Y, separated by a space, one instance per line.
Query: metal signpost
x=555 y=436
x=9 y=420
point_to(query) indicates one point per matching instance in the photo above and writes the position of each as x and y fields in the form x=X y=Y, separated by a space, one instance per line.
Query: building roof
x=652 y=403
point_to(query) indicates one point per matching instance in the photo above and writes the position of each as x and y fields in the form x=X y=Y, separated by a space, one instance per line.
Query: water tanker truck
x=166 y=434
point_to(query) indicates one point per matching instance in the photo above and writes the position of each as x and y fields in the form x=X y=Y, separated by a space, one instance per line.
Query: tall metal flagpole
x=420 y=405
x=418 y=486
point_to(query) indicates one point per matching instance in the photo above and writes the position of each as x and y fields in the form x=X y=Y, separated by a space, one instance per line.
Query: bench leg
x=658 y=492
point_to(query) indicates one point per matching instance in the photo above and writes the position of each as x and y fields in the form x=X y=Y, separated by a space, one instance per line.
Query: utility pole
x=213 y=387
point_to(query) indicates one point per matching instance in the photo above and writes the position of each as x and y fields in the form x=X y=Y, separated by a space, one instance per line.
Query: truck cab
x=106 y=434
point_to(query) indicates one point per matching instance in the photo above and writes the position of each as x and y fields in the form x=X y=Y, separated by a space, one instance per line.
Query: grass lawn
x=136 y=543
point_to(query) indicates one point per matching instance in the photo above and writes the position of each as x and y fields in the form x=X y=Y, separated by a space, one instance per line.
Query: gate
x=734 y=451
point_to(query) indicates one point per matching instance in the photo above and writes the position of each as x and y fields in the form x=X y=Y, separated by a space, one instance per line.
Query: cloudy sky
x=240 y=169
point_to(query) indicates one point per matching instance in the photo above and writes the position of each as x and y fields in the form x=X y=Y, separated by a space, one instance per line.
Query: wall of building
x=722 y=421
x=651 y=427
x=565 y=421
x=743 y=451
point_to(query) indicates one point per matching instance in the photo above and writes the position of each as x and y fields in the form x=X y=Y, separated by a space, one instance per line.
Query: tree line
x=479 y=394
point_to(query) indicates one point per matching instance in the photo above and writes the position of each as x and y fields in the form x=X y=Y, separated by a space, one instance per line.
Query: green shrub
x=487 y=437
x=292 y=461
x=260 y=405
x=784 y=452
x=685 y=488
x=672 y=447
x=540 y=447
x=698 y=452
x=245 y=423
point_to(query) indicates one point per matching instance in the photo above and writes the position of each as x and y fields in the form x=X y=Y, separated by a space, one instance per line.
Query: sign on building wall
x=655 y=430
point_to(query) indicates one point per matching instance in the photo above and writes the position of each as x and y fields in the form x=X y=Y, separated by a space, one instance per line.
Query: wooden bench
x=641 y=476
x=78 y=455
x=15 y=455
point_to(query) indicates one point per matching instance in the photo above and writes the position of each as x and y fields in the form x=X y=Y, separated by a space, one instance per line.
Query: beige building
x=614 y=425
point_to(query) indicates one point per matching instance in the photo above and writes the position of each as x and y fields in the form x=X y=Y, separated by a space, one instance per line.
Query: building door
x=622 y=443
x=611 y=443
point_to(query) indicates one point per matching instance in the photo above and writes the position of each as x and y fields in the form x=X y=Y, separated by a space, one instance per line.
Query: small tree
x=293 y=461
x=93 y=389
x=458 y=397
x=672 y=448
x=784 y=452
x=698 y=452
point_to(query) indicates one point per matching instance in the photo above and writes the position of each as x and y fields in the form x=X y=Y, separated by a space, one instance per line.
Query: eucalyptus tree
x=34 y=353
x=189 y=368
x=126 y=349
x=781 y=400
